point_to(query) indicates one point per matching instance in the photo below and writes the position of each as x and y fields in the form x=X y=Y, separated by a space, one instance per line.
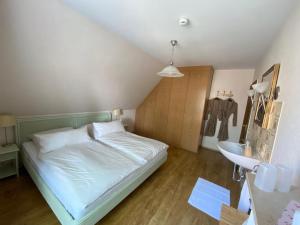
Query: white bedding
x=31 y=153
x=86 y=171
x=139 y=148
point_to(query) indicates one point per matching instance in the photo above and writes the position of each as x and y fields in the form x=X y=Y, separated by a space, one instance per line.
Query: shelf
x=268 y=207
x=7 y=170
x=9 y=149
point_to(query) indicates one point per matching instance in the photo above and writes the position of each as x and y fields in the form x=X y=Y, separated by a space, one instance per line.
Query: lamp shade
x=170 y=71
x=117 y=112
x=261 y=87
x=7 y=120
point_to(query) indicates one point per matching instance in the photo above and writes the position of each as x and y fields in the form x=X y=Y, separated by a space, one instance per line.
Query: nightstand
x=9 y=153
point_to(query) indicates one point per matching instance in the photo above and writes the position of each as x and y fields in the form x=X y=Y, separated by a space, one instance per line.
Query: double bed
x=83 y=182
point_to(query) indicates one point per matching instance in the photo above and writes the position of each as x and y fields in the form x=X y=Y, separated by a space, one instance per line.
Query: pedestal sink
x=235 y=153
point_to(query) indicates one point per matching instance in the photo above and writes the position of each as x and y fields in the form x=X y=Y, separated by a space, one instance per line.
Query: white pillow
x=51 y=131
x=50 y=141
x=54 y=140
x=101 y=129
x=77 y=136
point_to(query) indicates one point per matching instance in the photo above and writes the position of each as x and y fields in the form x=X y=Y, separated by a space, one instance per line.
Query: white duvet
x=80 y=173
x=139 y=148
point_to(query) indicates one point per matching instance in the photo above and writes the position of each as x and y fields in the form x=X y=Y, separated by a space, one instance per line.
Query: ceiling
x=223 y=33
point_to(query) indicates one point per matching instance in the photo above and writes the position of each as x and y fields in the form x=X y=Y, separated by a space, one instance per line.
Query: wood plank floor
x=160 y=200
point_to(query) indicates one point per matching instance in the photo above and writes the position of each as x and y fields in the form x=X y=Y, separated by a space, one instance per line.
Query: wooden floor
x=160 y=200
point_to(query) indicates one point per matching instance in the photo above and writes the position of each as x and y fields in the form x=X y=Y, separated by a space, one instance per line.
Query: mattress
x=31 y=155
x=139 y=148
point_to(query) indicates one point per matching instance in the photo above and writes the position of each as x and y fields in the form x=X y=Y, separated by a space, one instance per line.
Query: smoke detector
x=183 y=21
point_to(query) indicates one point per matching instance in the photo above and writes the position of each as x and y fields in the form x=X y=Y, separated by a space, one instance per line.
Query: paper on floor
x=209 y=197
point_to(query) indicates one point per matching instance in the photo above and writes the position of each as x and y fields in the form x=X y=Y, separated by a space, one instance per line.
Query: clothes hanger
x=230 y=97
x=217 y=98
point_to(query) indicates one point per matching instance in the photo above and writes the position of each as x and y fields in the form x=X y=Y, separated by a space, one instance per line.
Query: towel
x=209 y=198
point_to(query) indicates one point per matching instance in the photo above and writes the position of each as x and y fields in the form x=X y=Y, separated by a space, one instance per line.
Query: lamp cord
x=5 y=135
x=172 y=55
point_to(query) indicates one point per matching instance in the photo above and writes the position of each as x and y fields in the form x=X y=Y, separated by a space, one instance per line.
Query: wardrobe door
x=174 y=109
x=152 y=115
x=140 y=119
x=161 y=110
x=149 y=118
x=198 y=91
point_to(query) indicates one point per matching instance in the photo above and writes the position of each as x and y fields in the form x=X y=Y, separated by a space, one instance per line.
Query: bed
x=90 y=212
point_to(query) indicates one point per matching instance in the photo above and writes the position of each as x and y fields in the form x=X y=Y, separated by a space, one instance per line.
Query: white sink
x=235 y=153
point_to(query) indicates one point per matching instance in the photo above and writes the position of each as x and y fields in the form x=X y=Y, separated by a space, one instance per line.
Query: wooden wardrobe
x=173 y=111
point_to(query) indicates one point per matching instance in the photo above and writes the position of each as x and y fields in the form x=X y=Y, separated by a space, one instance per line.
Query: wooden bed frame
x=26 y=126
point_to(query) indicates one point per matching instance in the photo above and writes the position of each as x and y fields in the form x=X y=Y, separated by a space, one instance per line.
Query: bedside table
x=9 y=153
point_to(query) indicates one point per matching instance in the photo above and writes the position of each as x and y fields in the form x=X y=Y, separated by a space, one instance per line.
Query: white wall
x=286 y=51
x=54 y=60
x=238 y=81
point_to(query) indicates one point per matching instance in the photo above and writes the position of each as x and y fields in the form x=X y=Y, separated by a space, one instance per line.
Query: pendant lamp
x=171 y=70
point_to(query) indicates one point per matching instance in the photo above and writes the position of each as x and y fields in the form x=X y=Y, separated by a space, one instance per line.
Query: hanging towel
x=244 y=203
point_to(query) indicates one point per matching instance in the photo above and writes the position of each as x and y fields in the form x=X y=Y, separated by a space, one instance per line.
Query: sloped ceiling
x=54 y=60
x=224 y=33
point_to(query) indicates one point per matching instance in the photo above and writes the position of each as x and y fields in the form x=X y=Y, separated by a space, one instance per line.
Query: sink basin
x=235 y=153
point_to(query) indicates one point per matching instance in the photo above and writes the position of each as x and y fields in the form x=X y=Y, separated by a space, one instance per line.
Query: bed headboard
x=26 y=126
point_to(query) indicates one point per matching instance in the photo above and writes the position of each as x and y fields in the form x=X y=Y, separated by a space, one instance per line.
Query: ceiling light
x=171 y=70
x=183 y=21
